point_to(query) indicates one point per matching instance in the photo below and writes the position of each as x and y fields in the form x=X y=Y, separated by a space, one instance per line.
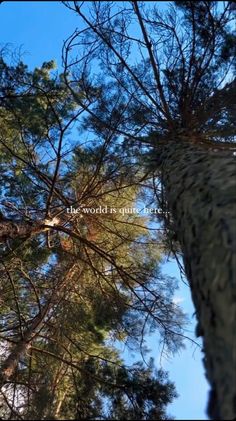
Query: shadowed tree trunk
x=14 y=229
x=200 y=187
x=10 y=364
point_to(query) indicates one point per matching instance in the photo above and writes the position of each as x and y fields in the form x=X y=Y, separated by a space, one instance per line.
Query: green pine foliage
x=71 y=293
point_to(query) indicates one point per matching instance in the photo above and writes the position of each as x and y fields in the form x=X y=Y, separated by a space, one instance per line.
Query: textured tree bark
x=10 y=229
x=200 y=188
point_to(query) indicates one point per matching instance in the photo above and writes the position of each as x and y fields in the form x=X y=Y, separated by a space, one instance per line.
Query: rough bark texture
x=11 y=229
x=200 y=187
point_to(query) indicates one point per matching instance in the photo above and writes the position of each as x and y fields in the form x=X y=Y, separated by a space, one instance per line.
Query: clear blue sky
x=40 y=28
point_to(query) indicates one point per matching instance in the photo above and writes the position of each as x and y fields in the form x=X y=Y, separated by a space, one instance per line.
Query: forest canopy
x=73 y=283
x=141 y=116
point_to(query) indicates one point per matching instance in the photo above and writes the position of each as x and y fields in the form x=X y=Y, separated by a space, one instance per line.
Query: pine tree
x=165 y=83
x=71 y=283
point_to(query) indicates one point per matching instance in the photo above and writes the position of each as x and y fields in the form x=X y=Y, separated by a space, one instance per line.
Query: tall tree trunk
x=8 y=367
x=200 y=188
x=59 y=405
x=10 y=364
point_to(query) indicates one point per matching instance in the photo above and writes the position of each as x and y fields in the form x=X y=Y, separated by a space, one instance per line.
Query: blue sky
x=39 y=29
